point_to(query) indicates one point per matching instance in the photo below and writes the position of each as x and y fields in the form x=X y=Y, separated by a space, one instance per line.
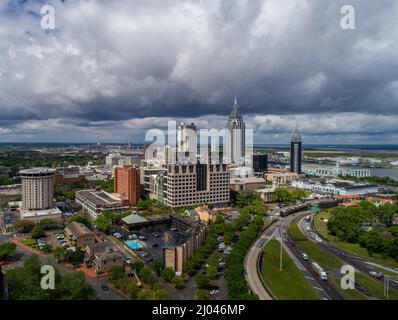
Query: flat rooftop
x=98 y=197
x=33 y=171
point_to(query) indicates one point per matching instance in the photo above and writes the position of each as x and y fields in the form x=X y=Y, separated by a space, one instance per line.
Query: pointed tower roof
x=235 y=113
x=296 y=136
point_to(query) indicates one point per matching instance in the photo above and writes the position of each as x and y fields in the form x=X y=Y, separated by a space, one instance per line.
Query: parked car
x=104 y=287
x=213 y=292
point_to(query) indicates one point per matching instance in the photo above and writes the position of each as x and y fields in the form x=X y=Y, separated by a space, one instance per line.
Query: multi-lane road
x=359 y=263
x=253 y=276
x=252 y=258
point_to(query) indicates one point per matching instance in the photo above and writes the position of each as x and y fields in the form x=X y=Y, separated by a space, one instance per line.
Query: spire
x=235 y=113
x=296 y=136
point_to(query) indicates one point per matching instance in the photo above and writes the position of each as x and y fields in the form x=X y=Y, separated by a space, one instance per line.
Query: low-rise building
x=95 y=201
x=203 y=214
x=107 y=260
x=97 y=248
x=79 y=234
x=280 y=177
x=335 y=187
x=246 y=184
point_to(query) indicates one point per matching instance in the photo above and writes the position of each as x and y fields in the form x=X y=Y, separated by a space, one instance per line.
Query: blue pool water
x=134 y=244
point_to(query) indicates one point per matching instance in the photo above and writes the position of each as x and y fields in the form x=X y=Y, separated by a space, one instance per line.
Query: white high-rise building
x=234 y=149
x=186 y=143
x=38 y=194
x=37 y=188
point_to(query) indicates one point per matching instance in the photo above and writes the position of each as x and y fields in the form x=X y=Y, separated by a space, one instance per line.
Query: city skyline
x=131 y=70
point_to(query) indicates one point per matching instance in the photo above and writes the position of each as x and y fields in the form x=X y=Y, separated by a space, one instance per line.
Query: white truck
x=319 y=271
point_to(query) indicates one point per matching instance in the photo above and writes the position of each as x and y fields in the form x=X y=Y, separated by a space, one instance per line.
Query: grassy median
x=288 y=284
x=314 y=252
x=320 y=225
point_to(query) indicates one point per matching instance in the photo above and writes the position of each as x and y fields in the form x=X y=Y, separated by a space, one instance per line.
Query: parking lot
x=9 y=219
x=153 y=240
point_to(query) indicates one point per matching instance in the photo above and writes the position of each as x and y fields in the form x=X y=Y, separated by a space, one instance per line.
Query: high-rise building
x=260 y=162
x=127 y=183
x=38 y=195
x=199 y=183
x=186 y=143
x=37 y=188
x=296 y=151
x=235 y=138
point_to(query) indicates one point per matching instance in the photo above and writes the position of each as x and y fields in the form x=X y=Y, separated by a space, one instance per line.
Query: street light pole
x=280 y=259
x=386 y=285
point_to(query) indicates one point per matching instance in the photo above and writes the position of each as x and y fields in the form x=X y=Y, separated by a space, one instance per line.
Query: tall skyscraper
x=186 y=143
x=295 y=151
x=235 y=139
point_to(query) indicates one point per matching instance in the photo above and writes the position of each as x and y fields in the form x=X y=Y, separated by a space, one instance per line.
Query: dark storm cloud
x=108 y=62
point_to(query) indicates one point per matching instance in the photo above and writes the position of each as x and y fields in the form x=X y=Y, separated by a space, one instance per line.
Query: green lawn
x=288 y=284
x=295 y=233
x=347 y=294
x=374 y=287
x=321 y=227
x=314 y=252
x=30 y=243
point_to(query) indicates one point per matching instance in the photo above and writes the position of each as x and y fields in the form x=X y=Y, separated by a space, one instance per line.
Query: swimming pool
x=135 y=244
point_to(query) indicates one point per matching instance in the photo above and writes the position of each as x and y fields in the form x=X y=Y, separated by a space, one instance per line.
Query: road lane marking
x=309 y=277
x=318 y=288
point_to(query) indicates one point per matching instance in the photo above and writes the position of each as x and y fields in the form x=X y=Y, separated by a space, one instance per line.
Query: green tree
x=144 y=295
x=74 y=287
x=37 y=232
x=160 y=293
x=202 y=280
x=24 y=226
x=168 y=274
x=59 y=253
x=116 y=272
x=157 y=266
x=7 y=249
x=177 y=281
x=201 y=294
x=81 y=219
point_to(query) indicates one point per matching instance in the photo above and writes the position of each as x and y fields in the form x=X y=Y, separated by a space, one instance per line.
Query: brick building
x=127 y=183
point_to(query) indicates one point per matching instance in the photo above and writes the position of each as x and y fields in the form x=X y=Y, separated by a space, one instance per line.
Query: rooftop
x=98 y=197
x=37 y=171
x=78 y=229
x=109 y=256
x=133 y=219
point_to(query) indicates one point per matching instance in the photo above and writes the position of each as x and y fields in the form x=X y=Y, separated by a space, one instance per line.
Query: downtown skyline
x=111 y=71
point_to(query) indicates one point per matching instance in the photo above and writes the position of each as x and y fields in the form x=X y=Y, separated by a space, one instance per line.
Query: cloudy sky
x=113 y=69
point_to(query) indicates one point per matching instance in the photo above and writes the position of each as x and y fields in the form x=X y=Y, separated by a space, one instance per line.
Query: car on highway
x=376 y=274
x=305 y=256
x=104 y=287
